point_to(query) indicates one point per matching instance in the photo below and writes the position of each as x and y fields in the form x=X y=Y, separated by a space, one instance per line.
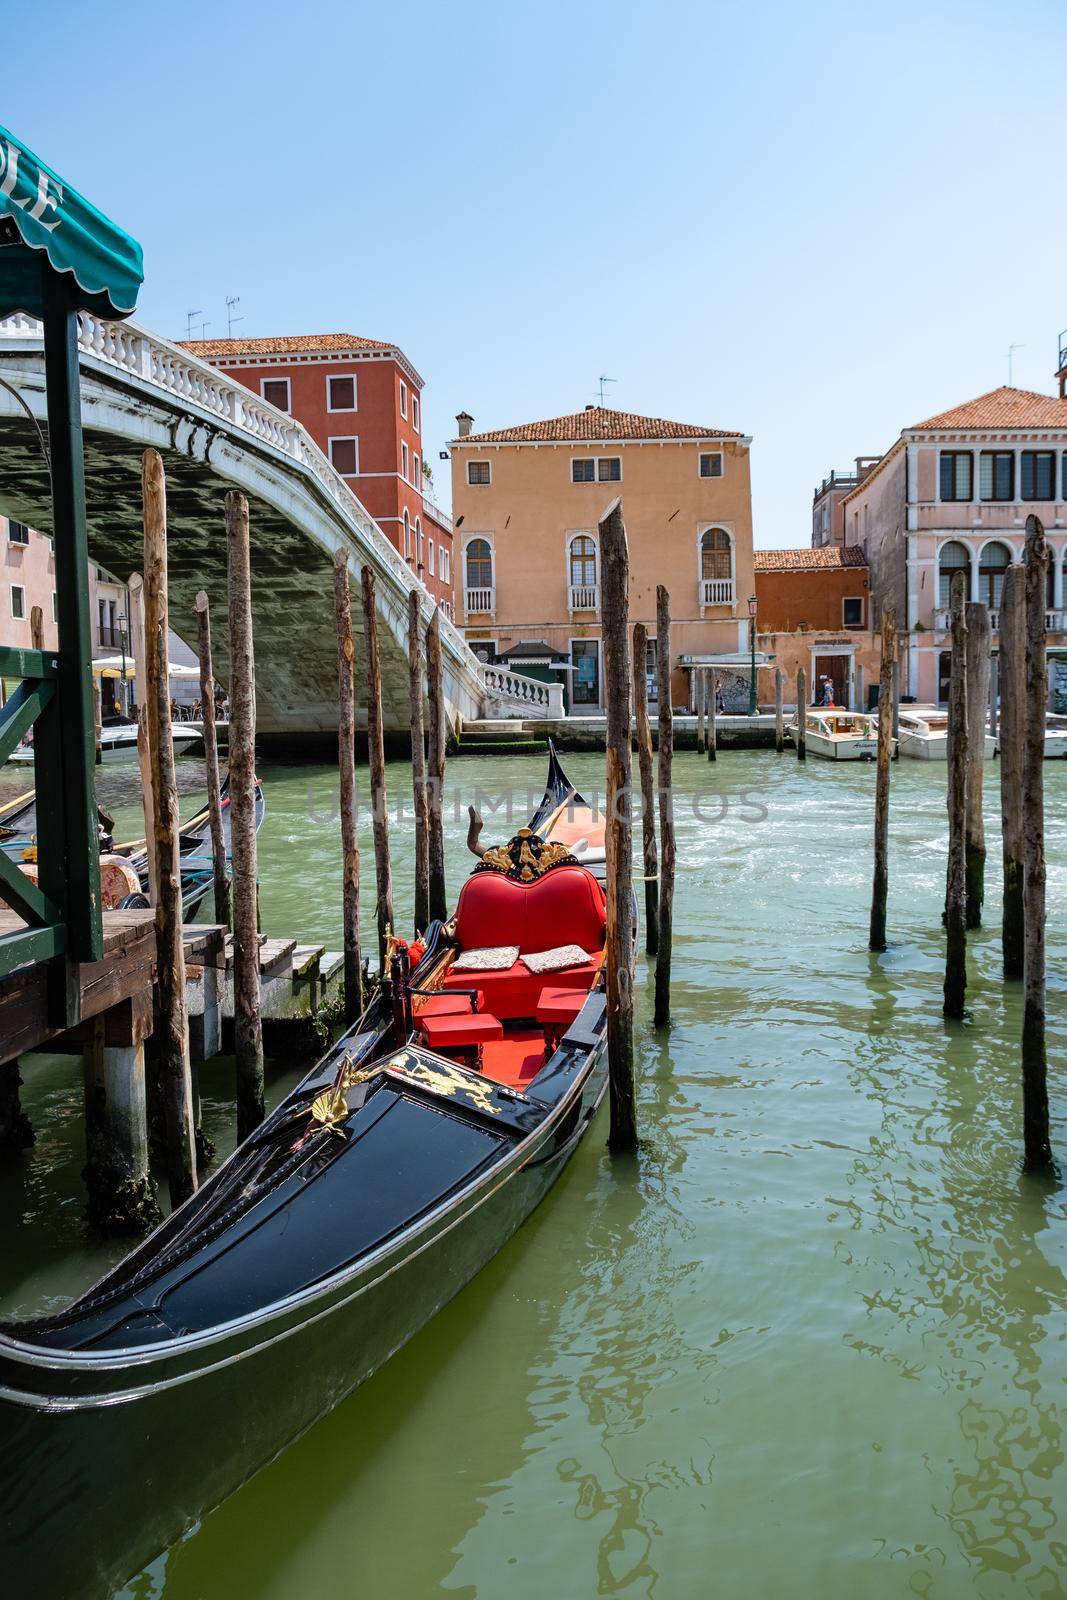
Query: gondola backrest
x=566 y=906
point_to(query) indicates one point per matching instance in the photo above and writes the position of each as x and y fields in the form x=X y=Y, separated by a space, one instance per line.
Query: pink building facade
x=953 y=494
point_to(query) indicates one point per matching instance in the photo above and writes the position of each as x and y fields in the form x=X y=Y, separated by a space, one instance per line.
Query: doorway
x=585 y=680
x=838 y=670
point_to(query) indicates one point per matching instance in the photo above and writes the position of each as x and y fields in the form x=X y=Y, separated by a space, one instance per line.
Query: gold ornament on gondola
x=331 y=1106
x=526 y=857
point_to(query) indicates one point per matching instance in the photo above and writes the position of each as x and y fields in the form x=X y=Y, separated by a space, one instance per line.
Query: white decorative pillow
x=564 y=955
x=494 y=958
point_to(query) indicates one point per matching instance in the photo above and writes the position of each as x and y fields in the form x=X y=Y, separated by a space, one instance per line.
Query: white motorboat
x=118 y=742
x=838 y=735
x=1055 y=737
x=924 y=734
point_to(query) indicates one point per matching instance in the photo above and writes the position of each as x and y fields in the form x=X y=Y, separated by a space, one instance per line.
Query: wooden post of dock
x=896 y=700
x=383 y=871
x=135 y=590
x=665 y=741
x=648 y=796
x=994 y=696
x=880 y=889
x=701 y=690
x=779 y=710
x=802 y=714
x=173 y=1027
x=1012 y=631
x=618 y=952
x=437 y=742
x=955 y=989
x=713 y=720
x=859 y=689
x=978 y=648
x=418 y=763
x=36 y=628
x=346 y=765
x=247 y=1020
x=1036 y=1141
x=219 y=868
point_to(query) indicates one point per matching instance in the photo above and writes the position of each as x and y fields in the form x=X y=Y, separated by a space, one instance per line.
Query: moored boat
x=128 y=883
x=118 y=742
x=367 y=1199
x=924 y=734
x=838 y=735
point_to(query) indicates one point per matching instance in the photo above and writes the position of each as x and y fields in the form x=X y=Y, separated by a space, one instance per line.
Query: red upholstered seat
x=558 y=1005
x=566 y=906
x=449 y=1005
x=457 y=1032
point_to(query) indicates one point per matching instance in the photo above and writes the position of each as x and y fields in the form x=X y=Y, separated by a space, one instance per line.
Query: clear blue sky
x=814 y=223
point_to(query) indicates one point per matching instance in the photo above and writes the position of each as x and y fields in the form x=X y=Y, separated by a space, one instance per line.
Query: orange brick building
x=813 y=611
x=361 y=402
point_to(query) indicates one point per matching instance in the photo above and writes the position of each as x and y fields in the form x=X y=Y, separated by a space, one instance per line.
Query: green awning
x=43 y=213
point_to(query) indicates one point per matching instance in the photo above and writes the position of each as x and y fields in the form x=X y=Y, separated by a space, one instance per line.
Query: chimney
x=464 y=424
x=590 y=408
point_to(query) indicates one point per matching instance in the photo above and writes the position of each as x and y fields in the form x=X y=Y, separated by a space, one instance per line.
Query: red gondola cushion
x=567 y=903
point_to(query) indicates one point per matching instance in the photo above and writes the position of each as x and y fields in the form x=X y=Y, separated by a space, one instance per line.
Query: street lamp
x=123 y=623
x=752 y=644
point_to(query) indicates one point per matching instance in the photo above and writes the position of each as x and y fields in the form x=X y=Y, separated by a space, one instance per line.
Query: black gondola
x=370 y=1196
x=18 y=824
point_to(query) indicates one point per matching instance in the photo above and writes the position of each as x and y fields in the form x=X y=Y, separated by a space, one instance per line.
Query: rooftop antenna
x=204 y=326
x=1011 y=352
x=189 y=315
x=232 y=300
x=603 y=381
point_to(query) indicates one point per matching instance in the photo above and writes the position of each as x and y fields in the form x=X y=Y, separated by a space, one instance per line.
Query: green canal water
x=809 y=1343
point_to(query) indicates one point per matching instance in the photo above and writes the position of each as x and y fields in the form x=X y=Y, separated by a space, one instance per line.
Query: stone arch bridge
x=213 y=434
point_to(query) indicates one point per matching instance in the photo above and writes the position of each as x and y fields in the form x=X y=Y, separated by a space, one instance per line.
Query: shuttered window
x=711 y=465
x=956 y=475
x=583 y=470
x=996 y=475
x=609 y=469
x=1038 y=474
x=477 y=472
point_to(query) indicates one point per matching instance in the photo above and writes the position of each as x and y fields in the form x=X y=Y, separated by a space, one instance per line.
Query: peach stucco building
x=526 y=501
x=954 y=493
x=814 y=612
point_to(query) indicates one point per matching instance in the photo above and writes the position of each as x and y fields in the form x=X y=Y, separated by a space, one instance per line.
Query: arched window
x=995 y=558
x=582 y=561
x=954 y=557
x=479 y=564
x=716 y=567
x=418 y=540
x=407 y=536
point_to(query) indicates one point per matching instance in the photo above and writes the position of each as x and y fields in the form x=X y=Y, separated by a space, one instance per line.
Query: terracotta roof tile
x=596 y=422
x=1002 y=408
x=282 y=345
x=821 y=558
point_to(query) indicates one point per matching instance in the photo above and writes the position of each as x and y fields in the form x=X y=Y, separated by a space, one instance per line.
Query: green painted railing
x=45 y=935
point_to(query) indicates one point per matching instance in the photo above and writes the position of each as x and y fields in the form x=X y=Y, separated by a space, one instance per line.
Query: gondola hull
x=143 y=1450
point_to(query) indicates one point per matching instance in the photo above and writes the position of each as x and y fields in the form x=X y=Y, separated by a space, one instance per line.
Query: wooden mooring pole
x=418 y=764
x=779 y=710
x=383 y=870
x=438 y=743
x=955 y=989
x=1012 y=673
x=173 y=1022
x=1036 y=1140
x=346 y=766
x=978 y=647
x=701 y=690
x=247 y=1019
x=648 y=794
x=135 y=589
x=665 y=741
x=713 y=721
x=880 y=888
x=618 y=952
x=802 y=714
x=219 y=867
